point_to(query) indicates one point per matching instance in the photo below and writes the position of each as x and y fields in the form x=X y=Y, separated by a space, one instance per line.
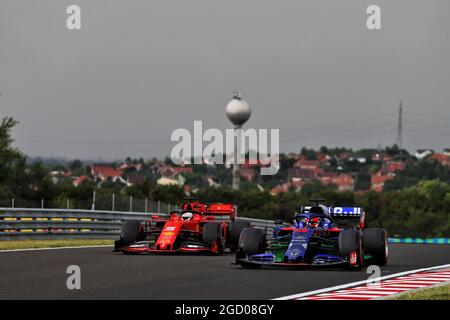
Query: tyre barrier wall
x=26 y=224
x=419 y=240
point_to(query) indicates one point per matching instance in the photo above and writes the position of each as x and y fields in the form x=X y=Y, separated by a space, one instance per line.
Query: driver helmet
x=187 y=216
x=314 y=222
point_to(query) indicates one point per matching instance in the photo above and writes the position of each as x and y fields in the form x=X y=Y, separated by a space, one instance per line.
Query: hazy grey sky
x=139 y=69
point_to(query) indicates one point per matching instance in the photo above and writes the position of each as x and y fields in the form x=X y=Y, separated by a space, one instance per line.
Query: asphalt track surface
x=108 y=275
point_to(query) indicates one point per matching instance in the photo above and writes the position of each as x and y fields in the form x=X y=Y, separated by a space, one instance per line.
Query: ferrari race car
x=196 y=228
x=321 y=236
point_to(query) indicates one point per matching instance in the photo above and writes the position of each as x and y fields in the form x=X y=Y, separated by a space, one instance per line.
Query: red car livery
x=198 y=227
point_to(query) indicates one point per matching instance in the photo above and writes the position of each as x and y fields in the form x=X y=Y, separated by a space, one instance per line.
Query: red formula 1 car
x=196 y=228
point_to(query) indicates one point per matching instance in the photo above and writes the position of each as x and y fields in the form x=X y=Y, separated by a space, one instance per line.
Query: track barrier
x=26 y=223
x=420 y=240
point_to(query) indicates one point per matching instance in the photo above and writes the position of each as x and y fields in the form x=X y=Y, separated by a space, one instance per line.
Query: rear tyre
x=212 y=235
x=350 y=245
x=131 y=232
x=376 y=244
x=236 y=228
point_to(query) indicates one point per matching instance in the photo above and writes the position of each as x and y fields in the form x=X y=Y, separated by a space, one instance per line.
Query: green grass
x=437 y=293
x=29 y=244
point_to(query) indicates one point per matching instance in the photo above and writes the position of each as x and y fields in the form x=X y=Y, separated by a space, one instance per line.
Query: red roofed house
x=322 y=157
x=172 y=172
x=387 y=173
x=307 y=164
x=105 y=171
x=343 y=181
x=442 y=158
x=172 y=175
x=382 y=157
x=304 y=174
x=167 y=172
x=378 y=179
x=327 y=178
x=393 y=166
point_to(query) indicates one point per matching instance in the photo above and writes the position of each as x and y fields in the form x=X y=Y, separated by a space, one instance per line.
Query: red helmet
x=314 y=222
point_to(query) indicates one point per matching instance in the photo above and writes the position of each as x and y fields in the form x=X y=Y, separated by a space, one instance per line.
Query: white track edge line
x=352 y=284
x=54 y=248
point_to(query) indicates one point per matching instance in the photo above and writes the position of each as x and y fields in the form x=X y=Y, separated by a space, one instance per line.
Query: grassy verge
x=437 y=293
x=30 y=244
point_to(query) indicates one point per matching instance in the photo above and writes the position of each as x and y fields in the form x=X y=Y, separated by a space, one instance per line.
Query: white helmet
x=187 y=216
x=325 y=209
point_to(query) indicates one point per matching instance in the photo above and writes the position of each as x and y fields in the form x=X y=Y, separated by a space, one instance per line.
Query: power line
x=348 y=130
x=334 y=124
x=427 y=130
x=428 y=115
x=447 y=125
x=377 y=134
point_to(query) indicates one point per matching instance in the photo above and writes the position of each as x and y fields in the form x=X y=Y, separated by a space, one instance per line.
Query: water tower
x=238 y=111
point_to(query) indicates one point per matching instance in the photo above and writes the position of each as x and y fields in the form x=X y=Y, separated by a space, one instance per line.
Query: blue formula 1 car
x=321 y=236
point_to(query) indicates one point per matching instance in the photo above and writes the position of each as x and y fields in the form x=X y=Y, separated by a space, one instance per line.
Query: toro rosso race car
x=320 y=236
x=194 y=229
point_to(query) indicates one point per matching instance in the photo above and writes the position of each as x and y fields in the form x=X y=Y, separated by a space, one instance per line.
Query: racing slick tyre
x=236 y=228
x=376 y=245
x=212 y=234
x=350 y=244
x=251 y=241
x=130 y=233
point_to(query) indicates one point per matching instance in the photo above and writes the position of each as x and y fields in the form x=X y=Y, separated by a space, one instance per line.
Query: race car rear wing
x=338 y=211
x=221 y=209
x=347 y=217
x=346 y=211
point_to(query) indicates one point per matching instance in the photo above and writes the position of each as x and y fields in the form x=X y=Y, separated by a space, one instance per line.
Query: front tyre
x=236 y=227
x=212 y=235
x=131 y=232
x=251 y=241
